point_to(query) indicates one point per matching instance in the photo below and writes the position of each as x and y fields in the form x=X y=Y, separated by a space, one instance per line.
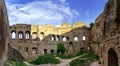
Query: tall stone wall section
x=3 y=32
x=106 y=34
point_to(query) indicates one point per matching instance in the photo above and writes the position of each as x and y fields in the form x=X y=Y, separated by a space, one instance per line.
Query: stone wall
x=30 y=47
x=106 y=33
x=3 y=32
x=14 y=54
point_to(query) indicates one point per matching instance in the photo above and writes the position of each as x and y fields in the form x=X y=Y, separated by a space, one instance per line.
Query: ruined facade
x=29 y=41
x=106 y=34
x=34 y=40
x=3 y=32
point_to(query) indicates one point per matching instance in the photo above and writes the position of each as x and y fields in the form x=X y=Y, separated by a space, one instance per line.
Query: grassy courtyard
x=80 y=59
x=46 y=59
x=84 y=58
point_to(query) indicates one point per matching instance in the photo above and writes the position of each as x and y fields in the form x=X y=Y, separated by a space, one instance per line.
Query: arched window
x=84 y=38
x=34 y=35
x=53 y=38
x=64 y=38
x=75 y=38
x=13 y=34
x=58 y=38
x=41 y=35
x=27 y=34
x=20 y=35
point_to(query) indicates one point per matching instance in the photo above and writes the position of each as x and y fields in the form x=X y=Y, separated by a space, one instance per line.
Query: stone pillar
x=3 y=32
x=17 y=35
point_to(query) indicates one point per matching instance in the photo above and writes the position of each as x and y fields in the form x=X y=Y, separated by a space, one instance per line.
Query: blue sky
x=53 y=12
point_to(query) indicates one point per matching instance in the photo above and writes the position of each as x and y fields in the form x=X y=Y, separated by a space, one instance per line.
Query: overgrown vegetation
x=91 y=25
x=78 y=62
x=61 y=48
x=84 y=59
x=66 y=56
x=46 y=59
x=14 y=63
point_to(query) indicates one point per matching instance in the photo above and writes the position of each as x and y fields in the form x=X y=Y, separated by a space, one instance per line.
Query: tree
x=60 y=48
x=91 y=25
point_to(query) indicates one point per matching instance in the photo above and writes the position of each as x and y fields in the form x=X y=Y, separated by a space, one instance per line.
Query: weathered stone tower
x=3 y=32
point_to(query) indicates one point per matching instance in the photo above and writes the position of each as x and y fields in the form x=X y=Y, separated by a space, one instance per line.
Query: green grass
x=84 y=58
x=79 y=53
x=90 y=57
x=78 y=62
x=65 y=56
x=14 y=63
x=46 y=59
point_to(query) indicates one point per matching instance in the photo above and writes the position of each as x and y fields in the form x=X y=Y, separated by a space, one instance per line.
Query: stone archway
x=112 y=58
x=70 y=48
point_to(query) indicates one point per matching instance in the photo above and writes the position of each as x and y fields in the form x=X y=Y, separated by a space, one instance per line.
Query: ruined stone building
x=34 y=40
x=29 y=41
x=105 y=34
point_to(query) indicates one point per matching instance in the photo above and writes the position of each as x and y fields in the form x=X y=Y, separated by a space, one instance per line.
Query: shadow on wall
x=14 y=54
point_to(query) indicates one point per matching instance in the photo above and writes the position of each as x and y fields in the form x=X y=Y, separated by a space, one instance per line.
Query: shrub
x=91 y=25
x=84 y=58
x=90 y=56
x=46 y=59
x=65 y=56
x=78 y=62
x=60 y=48
x=79 y=53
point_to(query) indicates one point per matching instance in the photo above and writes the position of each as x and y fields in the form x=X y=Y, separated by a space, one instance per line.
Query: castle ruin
x=29 y=41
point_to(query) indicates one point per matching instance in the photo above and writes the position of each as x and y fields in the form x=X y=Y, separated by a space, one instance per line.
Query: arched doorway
x=52 y=51
x=70 y=48
x=112 y=58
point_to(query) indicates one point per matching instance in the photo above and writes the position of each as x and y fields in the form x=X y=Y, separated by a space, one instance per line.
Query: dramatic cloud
x=40 y=12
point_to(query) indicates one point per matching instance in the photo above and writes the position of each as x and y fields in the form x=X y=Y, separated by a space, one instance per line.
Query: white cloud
x=63 y=1
x=37 y=12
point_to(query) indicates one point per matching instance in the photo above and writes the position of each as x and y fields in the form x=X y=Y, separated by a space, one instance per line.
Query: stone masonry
x=3 y=32
x=34 y=40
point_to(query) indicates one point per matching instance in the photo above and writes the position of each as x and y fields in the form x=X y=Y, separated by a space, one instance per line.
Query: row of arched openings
x=27 y=35
x=64 y=38
x=20 y=35
x=41 y=35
